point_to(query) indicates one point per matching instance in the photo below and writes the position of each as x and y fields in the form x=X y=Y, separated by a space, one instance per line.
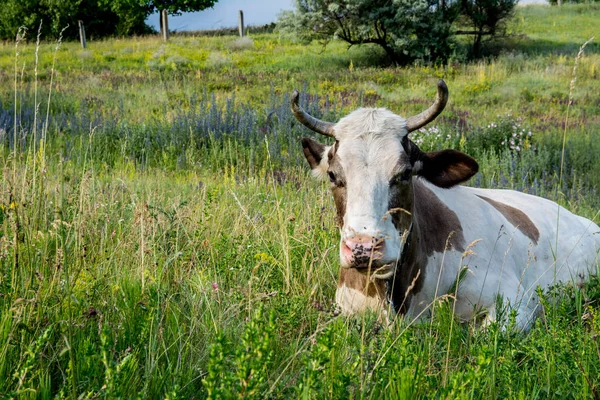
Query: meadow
x=161 y=235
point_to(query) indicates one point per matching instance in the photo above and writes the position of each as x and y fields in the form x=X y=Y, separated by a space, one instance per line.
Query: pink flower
x=215 y=286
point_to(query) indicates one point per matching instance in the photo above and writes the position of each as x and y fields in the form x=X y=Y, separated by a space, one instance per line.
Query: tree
x=484 y=18
x=175 y=7
x=405 y=29
x=101 y=17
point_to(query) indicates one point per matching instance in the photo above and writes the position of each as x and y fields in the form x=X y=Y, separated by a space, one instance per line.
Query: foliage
x=484 y=18
x=507 y=132
x=176 y=7
x=555 y=2
x=101 y=18
x=241 y=368
x=405 y=29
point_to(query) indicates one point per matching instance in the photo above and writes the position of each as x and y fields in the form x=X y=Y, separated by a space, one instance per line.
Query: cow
x=410 y=233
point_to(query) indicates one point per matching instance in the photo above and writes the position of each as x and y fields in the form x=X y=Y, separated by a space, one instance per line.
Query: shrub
x=405 y=29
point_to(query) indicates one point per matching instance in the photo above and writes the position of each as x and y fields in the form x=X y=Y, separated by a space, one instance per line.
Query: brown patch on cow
x=400 y=206
x=436 y=228
x=409 y=277
x=517 y=218
x=339 y=188
x=339 y=197
x=353 y=279
x=333 y=150
x=437 y=224
x=313 y=151
x=447 y=168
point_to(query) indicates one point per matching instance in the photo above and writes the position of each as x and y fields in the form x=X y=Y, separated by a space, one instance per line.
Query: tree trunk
x=391 y=53
x=477 y=44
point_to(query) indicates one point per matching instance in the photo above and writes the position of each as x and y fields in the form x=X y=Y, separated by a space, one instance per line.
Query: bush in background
x=101 y=18
x=407 y=30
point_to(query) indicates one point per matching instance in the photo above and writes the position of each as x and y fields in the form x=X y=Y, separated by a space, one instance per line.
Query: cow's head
x=371 y=167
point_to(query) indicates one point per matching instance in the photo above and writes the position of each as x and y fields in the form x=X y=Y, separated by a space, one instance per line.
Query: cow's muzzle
x=362 y=251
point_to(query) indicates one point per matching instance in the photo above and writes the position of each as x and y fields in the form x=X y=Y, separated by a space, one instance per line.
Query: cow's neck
x=431 y=227
x=408 y=277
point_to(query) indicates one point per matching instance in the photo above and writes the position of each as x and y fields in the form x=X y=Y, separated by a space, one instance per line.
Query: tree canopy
x=484 y=18
x=405 y=29
x=176 y=7
x=101 y=17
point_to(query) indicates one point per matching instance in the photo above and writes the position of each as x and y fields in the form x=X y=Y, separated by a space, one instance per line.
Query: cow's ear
x=316 y=155
x=446 y=168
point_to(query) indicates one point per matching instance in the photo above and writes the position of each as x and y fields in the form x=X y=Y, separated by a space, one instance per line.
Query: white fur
x=502 y=259
x=373 y=122
x=320 y=171
x=369 y=150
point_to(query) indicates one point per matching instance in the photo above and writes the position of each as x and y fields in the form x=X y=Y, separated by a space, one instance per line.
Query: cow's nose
x=360 y=249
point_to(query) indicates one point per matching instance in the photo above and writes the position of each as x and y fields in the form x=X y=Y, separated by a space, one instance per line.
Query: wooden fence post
x=241 y=23
x=82 y=34
x=165 y=25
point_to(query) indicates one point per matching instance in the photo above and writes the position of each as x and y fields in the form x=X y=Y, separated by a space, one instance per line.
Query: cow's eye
x=331 y=176
x=402 y=177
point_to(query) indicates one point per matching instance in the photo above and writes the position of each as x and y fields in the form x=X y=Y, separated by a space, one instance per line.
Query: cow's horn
x=312 y=123
x=417 y=121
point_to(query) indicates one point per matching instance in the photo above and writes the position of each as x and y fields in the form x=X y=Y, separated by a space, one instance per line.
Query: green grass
x=168 y=241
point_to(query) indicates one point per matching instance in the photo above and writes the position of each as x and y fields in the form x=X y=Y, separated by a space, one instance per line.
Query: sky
x=225 y=14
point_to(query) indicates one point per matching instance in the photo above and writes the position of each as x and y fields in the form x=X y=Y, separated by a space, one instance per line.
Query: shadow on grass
x=522 y=43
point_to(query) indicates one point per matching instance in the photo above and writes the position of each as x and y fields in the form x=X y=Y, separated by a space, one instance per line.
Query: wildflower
x=215 y=286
